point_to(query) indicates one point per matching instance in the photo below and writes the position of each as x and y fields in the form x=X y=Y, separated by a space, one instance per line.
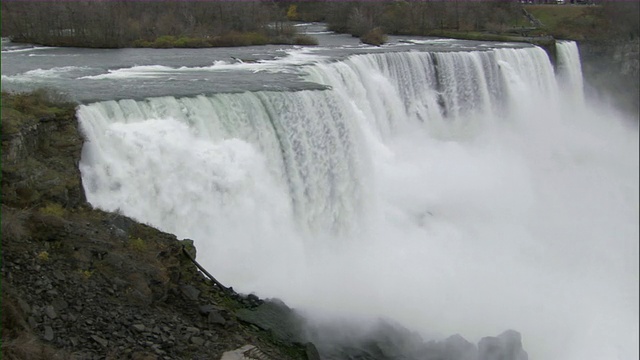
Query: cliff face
x=79 y=283
x=39 y=162
x=612 y=69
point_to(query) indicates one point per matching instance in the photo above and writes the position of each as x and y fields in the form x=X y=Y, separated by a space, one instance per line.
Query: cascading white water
x=458 y=192
x=570 y=70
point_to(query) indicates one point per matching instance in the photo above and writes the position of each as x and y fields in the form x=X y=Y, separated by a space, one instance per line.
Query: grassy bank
x=284 y=36
x=572 y=22
x=227 y=40
x=19 y=109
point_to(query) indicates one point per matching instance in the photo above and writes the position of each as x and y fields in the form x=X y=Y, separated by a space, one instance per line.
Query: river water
x=449 y=186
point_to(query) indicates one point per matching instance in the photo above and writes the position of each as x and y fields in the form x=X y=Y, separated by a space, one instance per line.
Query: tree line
x=120 y=23
x=608 y=18
x=413 y=17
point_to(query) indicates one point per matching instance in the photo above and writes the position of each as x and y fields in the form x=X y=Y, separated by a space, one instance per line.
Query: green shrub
x=239 y=39
x=292 y=13
x=284 y=35
x=305 y=40
x=39 y=103
x=137 y=244
x=13 y=223
x=53 y=209
x=87 y=273
x=43 y=256
x=142 y=43
x=374 y=37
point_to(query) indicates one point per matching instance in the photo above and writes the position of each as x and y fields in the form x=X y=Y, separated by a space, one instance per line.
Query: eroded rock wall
x=612 y=71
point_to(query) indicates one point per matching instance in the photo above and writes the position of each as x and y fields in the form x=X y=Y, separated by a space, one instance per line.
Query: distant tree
x=396 y=18
x=116 y=23
x=292 y=13
x=359 y=23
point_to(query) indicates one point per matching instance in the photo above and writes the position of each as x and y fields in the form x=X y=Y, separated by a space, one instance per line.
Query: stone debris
x=247 y=352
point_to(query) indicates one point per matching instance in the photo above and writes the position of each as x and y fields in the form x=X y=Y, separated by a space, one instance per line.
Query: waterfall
x=570 y=69
x=454 y=192
x=303 y=141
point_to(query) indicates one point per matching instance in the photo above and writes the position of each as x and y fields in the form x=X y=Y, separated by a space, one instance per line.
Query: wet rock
x=458 y=348
x=24 y=306
x=59 y=275
x=32 y=322
x=214 y=317
x=190 y=292
x=197 y=340
x=206 y=309
x=192 y=330
x=311 y=351
x=99 y=340
x=50 y=312
x=59 y=304
x=117 y=232
x=48 y=333
x=189 y=247
x=506 y=346
x=275 y=316
x=237 y=354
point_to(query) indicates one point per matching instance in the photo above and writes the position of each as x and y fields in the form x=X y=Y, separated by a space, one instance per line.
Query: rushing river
x=450 y=186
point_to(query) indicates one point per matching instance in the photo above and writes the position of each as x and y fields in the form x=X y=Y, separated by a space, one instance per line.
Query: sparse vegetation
x=53 y=209
x=292 y=13
x=86 y=274
x=568 y=22
x=40 y=103
x=304 y=40
x=137 y=244
x=13 y=223
x=43 y=256
x=611 y=19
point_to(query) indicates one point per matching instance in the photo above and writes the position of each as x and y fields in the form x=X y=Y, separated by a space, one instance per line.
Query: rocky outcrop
x=611 y=70
x=40 y=162
x=79 y=283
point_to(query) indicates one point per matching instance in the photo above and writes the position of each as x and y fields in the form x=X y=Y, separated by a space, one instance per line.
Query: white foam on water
x=20 y=49
x=295 y=56
x=44 y=74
